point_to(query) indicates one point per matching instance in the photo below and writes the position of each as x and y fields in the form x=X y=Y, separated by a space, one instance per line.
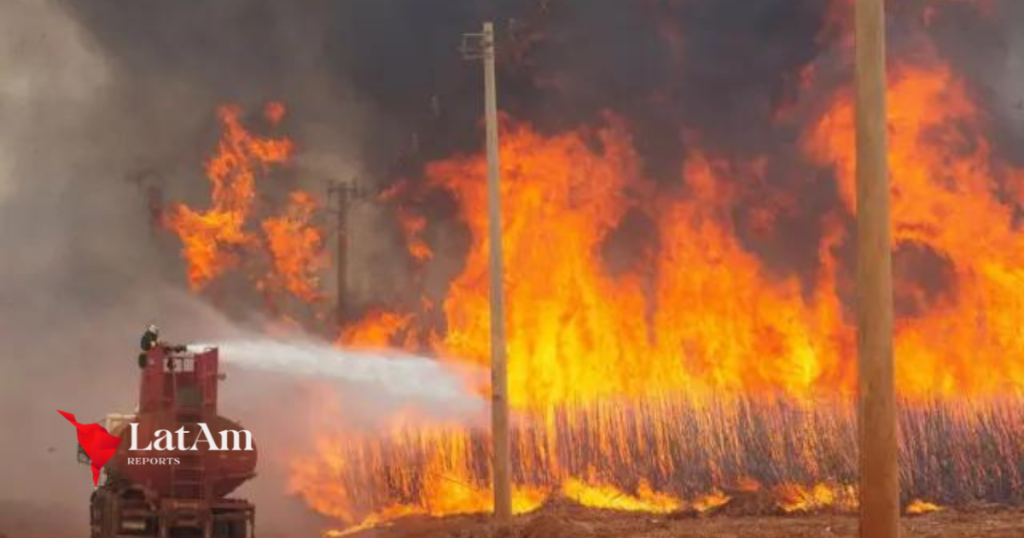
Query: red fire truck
x=186 y=493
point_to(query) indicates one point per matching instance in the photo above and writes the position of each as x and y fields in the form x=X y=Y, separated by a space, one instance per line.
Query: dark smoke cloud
x=562 y=62
x=986 y=48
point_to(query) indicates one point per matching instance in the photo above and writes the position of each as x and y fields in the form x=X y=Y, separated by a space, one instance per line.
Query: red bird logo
x=97 y=442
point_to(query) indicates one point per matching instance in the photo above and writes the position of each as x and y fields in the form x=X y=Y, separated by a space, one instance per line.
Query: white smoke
x=47 y=64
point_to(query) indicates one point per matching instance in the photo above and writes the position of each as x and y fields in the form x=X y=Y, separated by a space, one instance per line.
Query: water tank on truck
x=182 y=489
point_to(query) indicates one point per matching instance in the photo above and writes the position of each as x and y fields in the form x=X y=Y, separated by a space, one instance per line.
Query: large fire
x=212 y=236
x=947 y=201
x=694 y=372
x=282 y=254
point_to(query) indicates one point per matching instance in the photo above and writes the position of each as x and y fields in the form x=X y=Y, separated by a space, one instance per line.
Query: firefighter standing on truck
x=150 y=339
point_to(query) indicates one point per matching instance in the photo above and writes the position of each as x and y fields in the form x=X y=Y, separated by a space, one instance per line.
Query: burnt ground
x=563 y=521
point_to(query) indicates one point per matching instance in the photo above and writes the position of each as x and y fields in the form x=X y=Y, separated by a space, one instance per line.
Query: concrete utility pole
x=481 y=46
x=343 y=192
x=879 y=467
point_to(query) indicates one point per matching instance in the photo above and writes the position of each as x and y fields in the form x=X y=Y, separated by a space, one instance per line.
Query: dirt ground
x=578 y=522
x=564 y=520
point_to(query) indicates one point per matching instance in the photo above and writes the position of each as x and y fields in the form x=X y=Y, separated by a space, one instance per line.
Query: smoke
x=52 y=77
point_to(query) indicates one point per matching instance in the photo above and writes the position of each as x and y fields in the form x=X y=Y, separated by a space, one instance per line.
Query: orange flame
x=376 y=330
x=608 y=496
x=919 y=507
x=446 y=485
x=706 y=321
x=226 y=236
x=692 y=334
x=213 y=238
x=795 y=498
x=296 y=249
x=708 y=318
x=944 y=200
x=578 y=333
x=413 y=226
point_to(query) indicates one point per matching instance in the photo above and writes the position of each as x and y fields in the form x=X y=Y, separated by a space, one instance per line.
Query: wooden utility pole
x=481 y=46
x=499 y=368
x=344 y=192
x=879 y=467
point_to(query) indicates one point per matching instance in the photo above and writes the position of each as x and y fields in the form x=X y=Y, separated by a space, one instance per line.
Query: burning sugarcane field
x=530 y=268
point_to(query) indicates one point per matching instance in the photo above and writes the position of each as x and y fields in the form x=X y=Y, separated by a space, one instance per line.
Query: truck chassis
x=120 y=510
